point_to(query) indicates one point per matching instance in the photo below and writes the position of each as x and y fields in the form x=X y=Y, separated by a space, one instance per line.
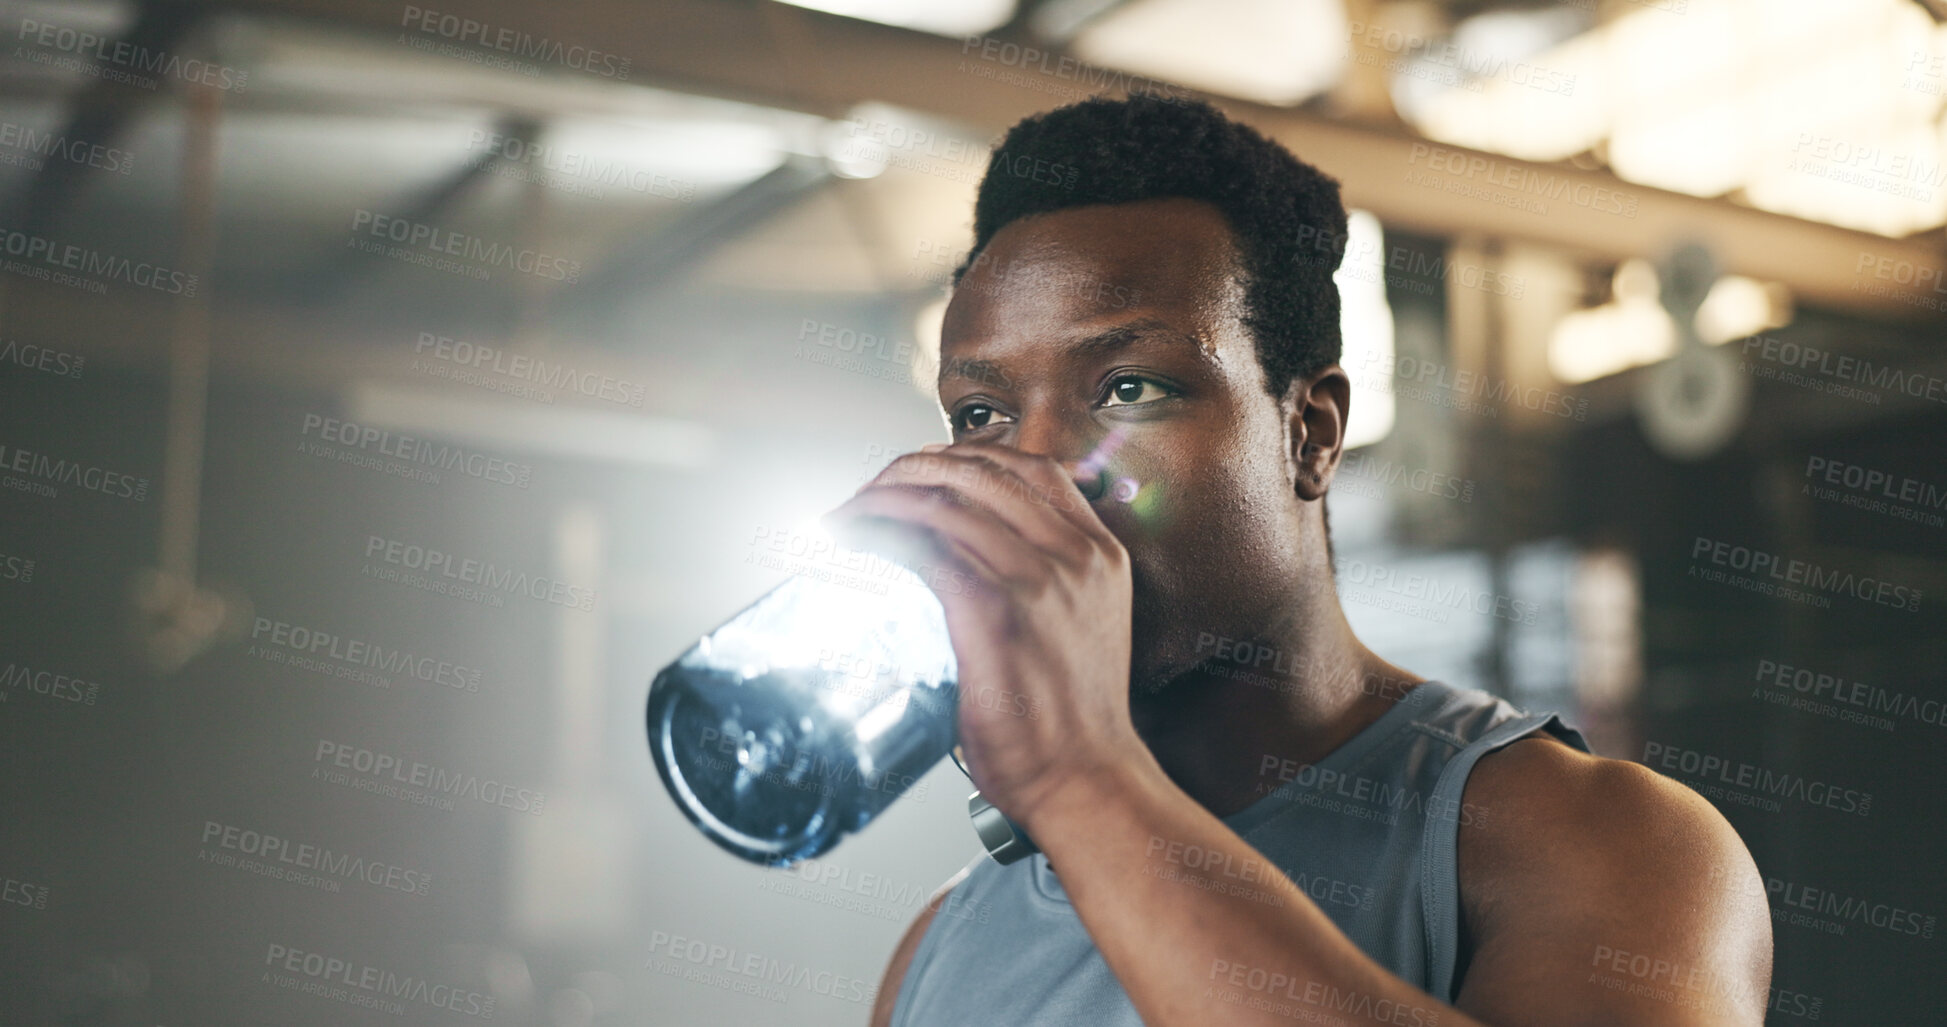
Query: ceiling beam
x=651 y=260
x=101 y=112
x=344 y=267
x=784 y=56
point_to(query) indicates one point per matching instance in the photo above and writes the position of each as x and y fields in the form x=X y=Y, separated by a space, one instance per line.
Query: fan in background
x=1691 y=404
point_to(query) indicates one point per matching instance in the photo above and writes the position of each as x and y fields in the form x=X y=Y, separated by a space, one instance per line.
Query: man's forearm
x=1219 y=937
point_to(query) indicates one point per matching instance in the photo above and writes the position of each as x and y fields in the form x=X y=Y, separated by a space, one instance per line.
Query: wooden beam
x=784 y=56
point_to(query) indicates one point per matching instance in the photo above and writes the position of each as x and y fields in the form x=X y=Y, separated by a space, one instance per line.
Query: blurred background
x=387 y=391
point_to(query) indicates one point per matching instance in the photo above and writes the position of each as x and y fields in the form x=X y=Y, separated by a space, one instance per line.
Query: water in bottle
x=800 y=719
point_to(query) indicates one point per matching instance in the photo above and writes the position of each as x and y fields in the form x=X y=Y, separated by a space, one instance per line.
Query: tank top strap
x=1439 y=863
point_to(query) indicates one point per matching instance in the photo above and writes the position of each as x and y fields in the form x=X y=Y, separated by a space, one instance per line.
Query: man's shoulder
x=1544 y=784
x=1561 y=822
x=1584 y=861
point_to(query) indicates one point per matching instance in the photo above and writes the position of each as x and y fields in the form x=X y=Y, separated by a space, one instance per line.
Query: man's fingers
x=1057 y=481
x=952 y=529
x=1032 y=494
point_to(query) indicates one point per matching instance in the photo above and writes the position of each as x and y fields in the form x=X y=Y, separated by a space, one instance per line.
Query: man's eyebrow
x=1109 y=341
x=985 y=371
x=1125 y=335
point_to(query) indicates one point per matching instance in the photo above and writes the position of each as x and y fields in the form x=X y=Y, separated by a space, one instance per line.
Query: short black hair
x=1285 y=215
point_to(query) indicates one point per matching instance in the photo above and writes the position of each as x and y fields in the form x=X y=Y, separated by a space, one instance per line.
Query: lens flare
x=1093 y=463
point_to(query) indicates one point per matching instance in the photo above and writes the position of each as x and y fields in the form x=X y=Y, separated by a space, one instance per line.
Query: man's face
x=1081 y=321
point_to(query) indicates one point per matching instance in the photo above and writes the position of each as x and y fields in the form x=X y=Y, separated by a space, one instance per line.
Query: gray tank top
x=1369 y=832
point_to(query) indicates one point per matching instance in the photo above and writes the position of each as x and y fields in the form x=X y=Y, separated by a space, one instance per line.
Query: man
x=1244 y=815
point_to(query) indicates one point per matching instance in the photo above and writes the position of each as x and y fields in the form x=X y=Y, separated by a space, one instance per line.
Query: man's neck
x=1230 y=731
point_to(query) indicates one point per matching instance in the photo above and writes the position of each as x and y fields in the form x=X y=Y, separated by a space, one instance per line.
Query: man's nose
x=1081 y=452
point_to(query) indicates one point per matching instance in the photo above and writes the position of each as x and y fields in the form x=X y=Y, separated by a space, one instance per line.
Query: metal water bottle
x=800 y=719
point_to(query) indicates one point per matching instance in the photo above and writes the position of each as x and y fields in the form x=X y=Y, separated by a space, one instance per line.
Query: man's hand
x=1043 y=641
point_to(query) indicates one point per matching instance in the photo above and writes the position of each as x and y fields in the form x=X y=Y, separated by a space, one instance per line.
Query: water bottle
x=800 y=719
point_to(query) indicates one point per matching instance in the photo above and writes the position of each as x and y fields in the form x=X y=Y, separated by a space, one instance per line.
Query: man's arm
x=1601 y=892
x=902 y=956
x=1608 y=859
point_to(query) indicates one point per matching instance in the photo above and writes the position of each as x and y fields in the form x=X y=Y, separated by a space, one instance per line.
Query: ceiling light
x=1276 y=52
x=940 y=17
x=561 y=431
x=1824 y=111
x=1631 y=330
x=1738 y=307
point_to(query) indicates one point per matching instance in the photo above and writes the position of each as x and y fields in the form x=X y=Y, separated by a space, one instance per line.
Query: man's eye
x=1130 y=390
x=974 y=415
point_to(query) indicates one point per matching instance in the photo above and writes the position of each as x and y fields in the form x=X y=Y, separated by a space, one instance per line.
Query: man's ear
x=1315 y=408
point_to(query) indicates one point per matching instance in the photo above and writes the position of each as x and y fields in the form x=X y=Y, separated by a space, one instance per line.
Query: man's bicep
x=1626 y=899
